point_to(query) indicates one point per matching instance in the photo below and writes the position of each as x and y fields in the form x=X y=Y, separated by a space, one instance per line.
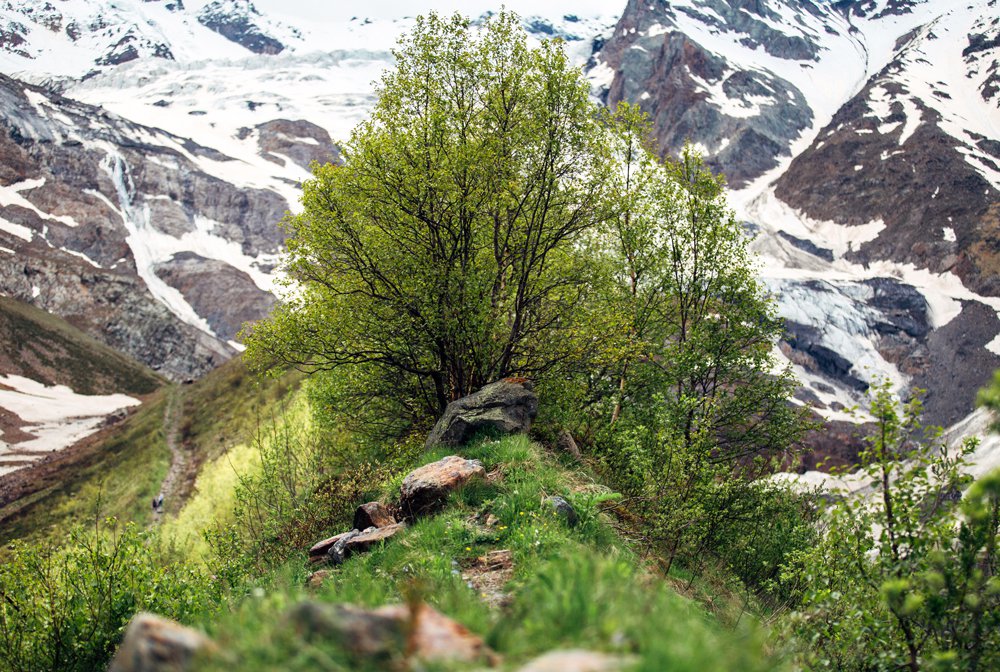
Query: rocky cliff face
x=119 y=228
x=861 y=138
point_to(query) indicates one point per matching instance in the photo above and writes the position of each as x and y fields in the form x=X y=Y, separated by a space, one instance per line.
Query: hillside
x=122 y=467
x=38 y=345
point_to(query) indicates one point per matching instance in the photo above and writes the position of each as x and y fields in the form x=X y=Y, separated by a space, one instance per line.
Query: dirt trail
x=172 y=418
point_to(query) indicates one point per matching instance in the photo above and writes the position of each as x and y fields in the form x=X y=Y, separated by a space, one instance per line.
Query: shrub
x=67 y=609
x=905 y=578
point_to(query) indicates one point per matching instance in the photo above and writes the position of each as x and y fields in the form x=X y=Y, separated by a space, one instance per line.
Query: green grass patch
x=571 y=587
x=119 y=477
x=211 y=504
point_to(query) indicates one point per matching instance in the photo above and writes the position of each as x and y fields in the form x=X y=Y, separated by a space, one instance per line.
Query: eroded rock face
x=506 y=406
x=301 y=141
x=425 y=489
x=754 y=115
x=373 y=514
x=225 y=296
x=389 y=631
x=236 y=20
x=83 y=186
x=155 y=644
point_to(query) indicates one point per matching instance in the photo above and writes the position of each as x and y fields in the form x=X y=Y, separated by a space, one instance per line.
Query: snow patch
x=56 y=416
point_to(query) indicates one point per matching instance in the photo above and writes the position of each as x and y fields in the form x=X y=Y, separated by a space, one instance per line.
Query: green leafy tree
x=445 y=253
x=905 y=574
x=694 y=407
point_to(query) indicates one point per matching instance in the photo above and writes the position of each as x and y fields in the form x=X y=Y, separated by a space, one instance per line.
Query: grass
x=123 y=469
x=46 y=348
x=212 y=500
x=578 y=587
x=119 y=476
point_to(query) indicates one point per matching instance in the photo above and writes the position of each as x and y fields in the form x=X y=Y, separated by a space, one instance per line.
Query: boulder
x=426 y=488
x=566 y=444
x=373 y=514
x=371 y=536
x=391 y=631
x=577 y=660
x=507 y=406
x=563 y=509
x=155 y=644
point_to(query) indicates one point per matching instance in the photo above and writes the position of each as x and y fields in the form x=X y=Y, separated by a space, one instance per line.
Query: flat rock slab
x=577 y=660
x=155 y=644
x=320 y=548
x=507 y=407
x=373 y=514
x=390 y=631
x=426 y=488
x=372 y=536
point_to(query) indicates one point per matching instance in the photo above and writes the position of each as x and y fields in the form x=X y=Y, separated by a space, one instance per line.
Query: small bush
x=67 y=609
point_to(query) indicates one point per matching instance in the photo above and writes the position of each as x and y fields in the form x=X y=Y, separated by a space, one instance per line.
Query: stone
x=566 y=444
x=373 y=514
x=577 y=660
x=563 y=509
x=507 y=406
x=315 y=580
x=391 y=631
x=426 y=488
x=155 y=644
x=339 y=551
x=321 y=548
x=371 y=536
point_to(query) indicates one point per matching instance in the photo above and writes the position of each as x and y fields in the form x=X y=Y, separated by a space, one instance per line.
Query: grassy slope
x=125 y=466
x=572 y=587
x=46 y=348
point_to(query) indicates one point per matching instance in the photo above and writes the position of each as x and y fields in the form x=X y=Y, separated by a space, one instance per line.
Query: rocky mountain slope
x=58 y=385
x=859 y=137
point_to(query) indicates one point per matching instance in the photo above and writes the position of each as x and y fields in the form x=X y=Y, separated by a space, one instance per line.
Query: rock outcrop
x=90 y=200
x=426 y=489
x=390 y=631
x=373 y=514
x=155 y=644
x=507 y=406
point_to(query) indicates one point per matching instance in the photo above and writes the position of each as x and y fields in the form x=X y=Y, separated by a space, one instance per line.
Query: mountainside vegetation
x=491 y=224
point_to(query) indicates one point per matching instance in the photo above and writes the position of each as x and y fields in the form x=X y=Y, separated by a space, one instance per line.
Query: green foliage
x=445 y=253
x=67 y=609
x=570 y=587
x=307 y=482
x=906 y=577
x=689 y=409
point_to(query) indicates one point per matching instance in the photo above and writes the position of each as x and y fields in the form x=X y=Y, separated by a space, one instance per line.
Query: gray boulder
x=563 y=509
x=506 y=406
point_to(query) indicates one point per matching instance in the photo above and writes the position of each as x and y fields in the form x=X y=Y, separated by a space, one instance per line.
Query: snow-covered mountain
x=140 y=180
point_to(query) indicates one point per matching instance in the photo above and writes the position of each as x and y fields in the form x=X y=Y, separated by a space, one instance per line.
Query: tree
x=904 y=577
x=445 y=253
x=696 y=404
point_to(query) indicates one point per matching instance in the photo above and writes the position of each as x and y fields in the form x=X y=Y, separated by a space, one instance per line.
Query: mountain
x=861 y=141
x=150 y=148
x=58 y=385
